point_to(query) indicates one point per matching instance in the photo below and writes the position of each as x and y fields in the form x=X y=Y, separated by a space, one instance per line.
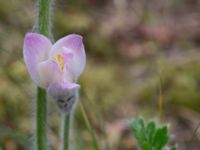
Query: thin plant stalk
x=42 y=27
x=43 y=24
x=66 y=127
x=161 y=99
x=41 y=111
x=65 y=130
x=88 y=125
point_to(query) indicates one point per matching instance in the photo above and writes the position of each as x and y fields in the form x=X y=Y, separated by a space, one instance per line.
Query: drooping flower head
x=55 y=67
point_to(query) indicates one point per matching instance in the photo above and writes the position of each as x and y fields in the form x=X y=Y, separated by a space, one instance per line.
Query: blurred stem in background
x=161 y=99
x=89 y=128
x=65 y=130
x=43 y=27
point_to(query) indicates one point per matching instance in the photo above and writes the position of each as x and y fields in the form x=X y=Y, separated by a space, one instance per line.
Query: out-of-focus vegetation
x=149 y=136
x=130 y=45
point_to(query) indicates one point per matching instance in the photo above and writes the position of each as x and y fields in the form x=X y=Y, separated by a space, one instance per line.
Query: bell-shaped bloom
x=55 y=67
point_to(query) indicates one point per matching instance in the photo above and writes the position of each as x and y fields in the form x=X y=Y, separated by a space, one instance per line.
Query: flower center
x=60 y=61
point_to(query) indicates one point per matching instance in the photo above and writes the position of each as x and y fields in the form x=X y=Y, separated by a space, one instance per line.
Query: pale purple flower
x=55 y=67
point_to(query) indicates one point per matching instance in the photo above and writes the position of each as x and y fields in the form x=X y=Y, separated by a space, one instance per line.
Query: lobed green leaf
x=148 y=136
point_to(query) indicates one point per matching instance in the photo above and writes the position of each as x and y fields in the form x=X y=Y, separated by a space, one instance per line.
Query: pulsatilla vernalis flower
x=55 y=67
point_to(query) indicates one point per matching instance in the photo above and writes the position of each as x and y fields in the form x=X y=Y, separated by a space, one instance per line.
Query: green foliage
x=148 y=136
x=173 y=148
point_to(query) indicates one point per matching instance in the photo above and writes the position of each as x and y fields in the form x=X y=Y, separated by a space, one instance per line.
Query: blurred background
x=135 y=48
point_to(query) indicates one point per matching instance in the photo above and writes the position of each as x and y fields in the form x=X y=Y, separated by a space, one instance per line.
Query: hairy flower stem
x=44 y=17
x=65 y=130
x=43 y=27
x=41 y=111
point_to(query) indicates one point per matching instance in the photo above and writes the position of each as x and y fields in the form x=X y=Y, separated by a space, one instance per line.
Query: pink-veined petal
x=65 y=94
x=35 y=50
x=71 y=44
x=49 y=72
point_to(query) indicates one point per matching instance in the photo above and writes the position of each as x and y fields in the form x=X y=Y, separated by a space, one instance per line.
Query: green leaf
x=161 y=138
x=150 y=131
x=146 y=146
x=148 y=136
x=137 y=127
x=173 y=148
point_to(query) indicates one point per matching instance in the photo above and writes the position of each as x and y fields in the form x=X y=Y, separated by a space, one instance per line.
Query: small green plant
x=150 y=137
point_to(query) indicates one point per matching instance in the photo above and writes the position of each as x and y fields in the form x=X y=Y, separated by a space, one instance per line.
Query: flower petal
x=68 y=68
x=49 y=72
x=71 y=44
x=35 y=50
x=65 y=94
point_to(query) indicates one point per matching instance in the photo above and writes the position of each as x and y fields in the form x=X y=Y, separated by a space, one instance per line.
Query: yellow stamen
x=60 y=60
